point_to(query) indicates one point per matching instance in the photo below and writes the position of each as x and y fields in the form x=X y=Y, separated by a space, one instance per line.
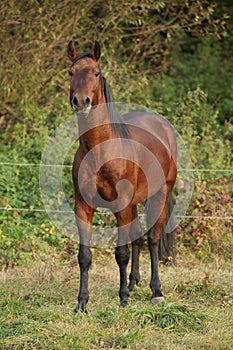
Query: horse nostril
x=87 y=100
x=75 y=101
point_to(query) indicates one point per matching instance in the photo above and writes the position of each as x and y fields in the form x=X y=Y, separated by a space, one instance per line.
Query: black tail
x=167 y=239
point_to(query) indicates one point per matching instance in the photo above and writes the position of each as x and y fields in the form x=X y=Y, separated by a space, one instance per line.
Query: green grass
x=37 y=304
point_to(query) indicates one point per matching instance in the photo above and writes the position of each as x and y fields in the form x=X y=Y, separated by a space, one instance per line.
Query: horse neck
x=96 y=128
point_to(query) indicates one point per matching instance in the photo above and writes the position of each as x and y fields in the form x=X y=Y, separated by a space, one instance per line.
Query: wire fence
x=70 y=166
x=71 y=211
x=41 y=210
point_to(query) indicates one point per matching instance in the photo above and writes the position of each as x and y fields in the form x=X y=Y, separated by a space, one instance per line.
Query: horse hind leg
x=135 y=236
x=134 y=277
x=157 y=206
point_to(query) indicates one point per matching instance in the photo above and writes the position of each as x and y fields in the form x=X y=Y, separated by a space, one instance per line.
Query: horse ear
x=95 y=51
x=71 y=51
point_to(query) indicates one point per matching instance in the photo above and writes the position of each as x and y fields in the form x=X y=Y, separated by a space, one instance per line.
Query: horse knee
x=153 y=243
x=122 y=255
x=84 y=256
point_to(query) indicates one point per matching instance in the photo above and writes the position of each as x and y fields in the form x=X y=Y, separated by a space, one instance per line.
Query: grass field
x=37 y=304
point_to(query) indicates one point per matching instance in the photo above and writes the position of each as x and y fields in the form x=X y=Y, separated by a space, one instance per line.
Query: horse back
x=153 y=131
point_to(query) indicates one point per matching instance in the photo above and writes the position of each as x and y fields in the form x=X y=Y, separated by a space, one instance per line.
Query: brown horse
x=121 y=161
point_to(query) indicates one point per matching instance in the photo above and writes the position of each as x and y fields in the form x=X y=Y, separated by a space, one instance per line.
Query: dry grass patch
x=37 y=304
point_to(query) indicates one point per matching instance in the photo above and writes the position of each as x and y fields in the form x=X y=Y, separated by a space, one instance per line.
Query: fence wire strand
x=70 y=166
x=71 y=211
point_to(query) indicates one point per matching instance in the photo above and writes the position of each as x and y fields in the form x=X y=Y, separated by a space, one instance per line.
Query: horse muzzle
x=81 y=105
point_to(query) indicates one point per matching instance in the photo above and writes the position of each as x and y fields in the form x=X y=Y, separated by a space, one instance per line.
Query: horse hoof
x=157 y=300
x=124 y=303
x=131 y=286
x=80 y=307
x=76 y=310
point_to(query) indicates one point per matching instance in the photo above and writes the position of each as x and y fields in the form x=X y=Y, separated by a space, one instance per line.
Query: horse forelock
x=81 y=55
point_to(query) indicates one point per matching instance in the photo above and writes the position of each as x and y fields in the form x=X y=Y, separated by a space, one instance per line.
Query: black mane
x=116 y=120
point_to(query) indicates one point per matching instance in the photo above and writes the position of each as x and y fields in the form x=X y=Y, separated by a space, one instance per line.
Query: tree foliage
x=138 y=39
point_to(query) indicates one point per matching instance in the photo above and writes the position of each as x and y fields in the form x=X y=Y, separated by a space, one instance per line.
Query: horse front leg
x=158 y=204
x=84 y=214
x=122 y=253
x=135 y=237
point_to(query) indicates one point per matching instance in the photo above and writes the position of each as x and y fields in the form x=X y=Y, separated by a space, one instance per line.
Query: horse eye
x=70 y=73
x=97 y=74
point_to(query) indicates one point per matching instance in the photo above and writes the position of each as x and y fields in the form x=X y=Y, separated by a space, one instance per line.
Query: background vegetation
x=171 y=56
